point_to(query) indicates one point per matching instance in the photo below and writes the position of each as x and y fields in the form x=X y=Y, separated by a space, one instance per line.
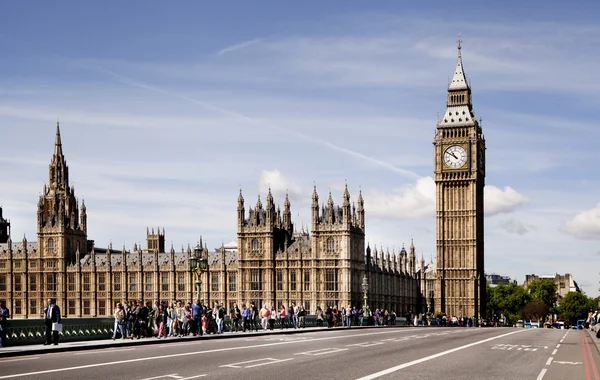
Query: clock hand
x=453 y=155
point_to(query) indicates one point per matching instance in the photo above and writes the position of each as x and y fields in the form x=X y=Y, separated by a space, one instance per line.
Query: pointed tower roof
x=459 y=80
x=58 y=143
x=269 y=197
x=346 y=195
x=459 y=110
x=330 y=200
x=286 y=203
x=258 y=203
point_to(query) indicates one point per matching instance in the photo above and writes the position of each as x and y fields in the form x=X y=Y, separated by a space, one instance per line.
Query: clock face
x=455 y=157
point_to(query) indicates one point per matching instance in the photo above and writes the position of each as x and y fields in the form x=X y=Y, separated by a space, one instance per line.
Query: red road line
x=589 y=351
x=586 y=364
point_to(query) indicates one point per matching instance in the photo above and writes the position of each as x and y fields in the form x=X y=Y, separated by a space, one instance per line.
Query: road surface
x=386 y=353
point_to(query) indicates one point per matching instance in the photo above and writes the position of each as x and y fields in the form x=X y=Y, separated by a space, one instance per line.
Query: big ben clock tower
x=459 y=177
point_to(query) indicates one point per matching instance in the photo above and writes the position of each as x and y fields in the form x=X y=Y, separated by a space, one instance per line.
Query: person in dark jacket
x=51 y=315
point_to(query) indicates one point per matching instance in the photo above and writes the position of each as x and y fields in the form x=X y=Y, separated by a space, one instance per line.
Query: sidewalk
x=596 y=340
x=36 y=349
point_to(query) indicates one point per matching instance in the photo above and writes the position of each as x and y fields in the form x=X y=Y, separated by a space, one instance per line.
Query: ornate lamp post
x=198 y=264
x=365 y=288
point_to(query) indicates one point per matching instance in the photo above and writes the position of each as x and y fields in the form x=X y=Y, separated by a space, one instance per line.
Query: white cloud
x=584 y=225
x=514 y=226
x=279 y=184
x=418 y=200
x=413 y=201
x=498 y=201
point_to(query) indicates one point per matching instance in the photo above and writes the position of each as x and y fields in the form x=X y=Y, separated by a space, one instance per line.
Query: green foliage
x=544 y=291
x=508 y=300
x=575 y=306
x=534 y=309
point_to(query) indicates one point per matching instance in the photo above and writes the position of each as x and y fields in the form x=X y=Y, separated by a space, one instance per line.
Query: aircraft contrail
x=247 y=119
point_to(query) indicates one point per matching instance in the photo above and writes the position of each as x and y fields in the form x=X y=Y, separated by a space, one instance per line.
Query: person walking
x=119 y=315
x=4 y=316
x=51 y=315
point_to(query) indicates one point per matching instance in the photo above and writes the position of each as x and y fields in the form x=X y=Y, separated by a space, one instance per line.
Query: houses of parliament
x=271 y=262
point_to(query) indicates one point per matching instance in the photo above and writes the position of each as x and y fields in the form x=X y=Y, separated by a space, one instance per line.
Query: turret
x=346 y=212
x=83 y=217
x=368 y=258
x=270 y=209
x=315 y=207
x=241 y=210
x=413 y=259
x=361 y=211
x=287 y=214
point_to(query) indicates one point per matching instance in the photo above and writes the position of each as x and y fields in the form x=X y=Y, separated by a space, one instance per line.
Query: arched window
x=51 y=246
x=255 y=246
x=330 y=245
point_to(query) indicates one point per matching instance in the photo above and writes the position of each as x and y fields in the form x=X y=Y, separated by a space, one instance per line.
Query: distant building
x=494 y=280
x=564 y=283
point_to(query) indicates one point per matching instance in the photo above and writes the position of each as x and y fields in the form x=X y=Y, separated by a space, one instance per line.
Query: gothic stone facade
x=460 y=178
x=271 y=263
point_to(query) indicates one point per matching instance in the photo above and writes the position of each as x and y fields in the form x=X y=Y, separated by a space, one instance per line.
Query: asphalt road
x=387 y=353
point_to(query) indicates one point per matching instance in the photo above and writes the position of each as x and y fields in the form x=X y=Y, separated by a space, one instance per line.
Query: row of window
x=148 y=285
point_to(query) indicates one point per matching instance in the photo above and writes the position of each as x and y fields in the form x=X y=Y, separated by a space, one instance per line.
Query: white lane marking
x=192 y=377
x=572 y=363
x=555 y=351
x=273 y=362
x=103 y=351
x=322 y=351
x=19 y=360
x=173 y=375
x=549 y=360
x=365 y=344
x=562 y=340
x=558 y=346
x=265 y=361
x=427 y=358
x=541 y=375
x=150 y=358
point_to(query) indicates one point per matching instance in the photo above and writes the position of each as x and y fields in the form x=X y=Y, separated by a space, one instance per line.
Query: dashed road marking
x=322 y=351
x=365 y=344
x=555 y=351
x=259 y=362
x=541 y=375
x=572 y=363
x=550 y=360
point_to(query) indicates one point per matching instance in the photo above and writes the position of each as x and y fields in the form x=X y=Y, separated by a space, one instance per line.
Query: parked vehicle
x=519 y=323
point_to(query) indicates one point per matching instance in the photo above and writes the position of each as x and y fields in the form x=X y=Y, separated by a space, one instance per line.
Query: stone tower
x=459 y=172
x=338 y=241
x=4 y=228
x=61 y=232
x=155 y=241
x=260 y=236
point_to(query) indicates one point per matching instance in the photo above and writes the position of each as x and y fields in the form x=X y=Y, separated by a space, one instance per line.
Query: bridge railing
x=32 y=331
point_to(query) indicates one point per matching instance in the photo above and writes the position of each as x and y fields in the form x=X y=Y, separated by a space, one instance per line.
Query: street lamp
x=365 y=288
x=198 y=264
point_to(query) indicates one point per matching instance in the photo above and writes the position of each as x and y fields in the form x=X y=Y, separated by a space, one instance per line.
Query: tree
x=534 y=309
x=544 y=291
x=508 y=300
x=574 y=306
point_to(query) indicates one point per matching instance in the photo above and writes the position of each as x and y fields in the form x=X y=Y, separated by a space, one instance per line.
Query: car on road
x=535 y=324
x=519 y=323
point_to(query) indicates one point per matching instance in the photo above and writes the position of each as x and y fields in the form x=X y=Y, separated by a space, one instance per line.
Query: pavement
x=364 y=354
x=39 y=348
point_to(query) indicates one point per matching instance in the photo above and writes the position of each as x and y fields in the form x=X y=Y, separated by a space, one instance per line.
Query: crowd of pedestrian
x=134 y=320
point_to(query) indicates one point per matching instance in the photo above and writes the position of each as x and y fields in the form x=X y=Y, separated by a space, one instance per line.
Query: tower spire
x=459 y=81
x=58 y=143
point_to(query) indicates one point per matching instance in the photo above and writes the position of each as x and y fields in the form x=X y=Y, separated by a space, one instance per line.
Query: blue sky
x=166 y=110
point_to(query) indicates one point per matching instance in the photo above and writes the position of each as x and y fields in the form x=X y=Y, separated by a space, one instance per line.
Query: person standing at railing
x=119 y=315
x=51 y=315
x=4 y=316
